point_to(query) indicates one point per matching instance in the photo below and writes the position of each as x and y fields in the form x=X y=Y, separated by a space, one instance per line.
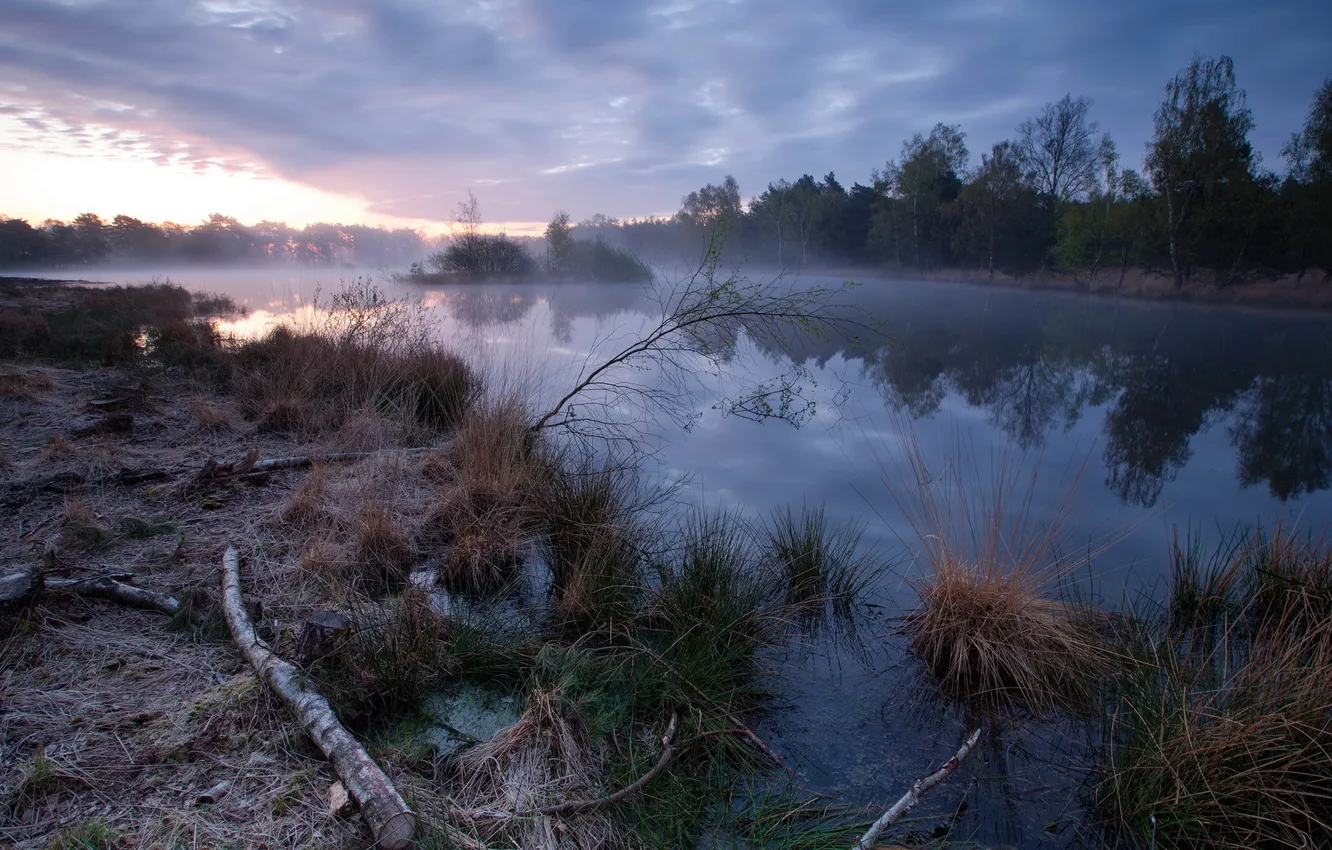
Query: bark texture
x=383 y=808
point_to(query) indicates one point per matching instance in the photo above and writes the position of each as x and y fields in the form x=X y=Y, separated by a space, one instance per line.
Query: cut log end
x=397 y=833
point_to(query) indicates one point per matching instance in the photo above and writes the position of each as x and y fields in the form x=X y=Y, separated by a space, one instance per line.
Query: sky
x=389 y=112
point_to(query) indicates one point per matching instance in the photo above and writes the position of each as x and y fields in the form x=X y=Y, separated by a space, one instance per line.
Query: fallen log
x=383 y=808
x=917 y=790
x=212 y=471
x=109 y=588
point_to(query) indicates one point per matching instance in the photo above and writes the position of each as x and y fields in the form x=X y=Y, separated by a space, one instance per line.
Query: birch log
x=917 y=790
x=383 y=808
x=106 y=587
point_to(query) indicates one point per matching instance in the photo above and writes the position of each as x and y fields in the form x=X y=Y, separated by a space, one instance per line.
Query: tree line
x=89 y=240
x=1057 y=196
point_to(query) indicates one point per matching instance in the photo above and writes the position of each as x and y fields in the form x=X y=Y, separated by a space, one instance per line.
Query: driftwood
x=214 y=794
x=758 y=744
x=917 y=790
x=339 y=804
x=570 y=806
x=383 y=808
x=107 y=587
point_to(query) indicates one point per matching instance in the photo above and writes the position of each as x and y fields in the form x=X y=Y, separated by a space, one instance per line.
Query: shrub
x=598 y=261
x=311 y=382
x=483 y=255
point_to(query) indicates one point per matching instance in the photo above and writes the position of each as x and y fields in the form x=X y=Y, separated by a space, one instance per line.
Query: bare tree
x=1058 y=149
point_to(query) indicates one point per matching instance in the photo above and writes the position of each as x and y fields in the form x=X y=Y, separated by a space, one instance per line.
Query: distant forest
x=221 y=240
x=1056 y=197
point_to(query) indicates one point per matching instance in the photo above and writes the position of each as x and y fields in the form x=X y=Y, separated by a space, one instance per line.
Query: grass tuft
x=382 y=553
x=79 y=525
x=209 y=417
x=397 y=652
x=483 y=518
x=587 y=515
x=822 y=572
x=713 y=610
x=305 y=505
x=1220 y=735
x=991 y=626
x=89 y=835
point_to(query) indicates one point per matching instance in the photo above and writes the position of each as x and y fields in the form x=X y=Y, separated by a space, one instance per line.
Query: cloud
x=607 y=105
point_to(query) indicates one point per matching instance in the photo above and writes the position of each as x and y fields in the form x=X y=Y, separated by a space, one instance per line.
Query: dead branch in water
x=383 y=808
x=917 y=790
x=757 y=742
x=110 y=588
x=571 y=806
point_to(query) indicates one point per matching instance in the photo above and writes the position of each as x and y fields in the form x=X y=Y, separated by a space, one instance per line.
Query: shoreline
x=1310 y=294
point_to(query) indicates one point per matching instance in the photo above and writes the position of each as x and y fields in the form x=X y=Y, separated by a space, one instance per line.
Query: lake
x=1156 y=419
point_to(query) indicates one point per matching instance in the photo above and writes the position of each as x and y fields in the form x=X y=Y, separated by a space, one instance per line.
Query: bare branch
x=917 y=790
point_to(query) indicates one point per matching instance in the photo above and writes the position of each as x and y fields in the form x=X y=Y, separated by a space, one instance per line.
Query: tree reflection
x=480 y=306
x=1159 y=374
x=1283 y=434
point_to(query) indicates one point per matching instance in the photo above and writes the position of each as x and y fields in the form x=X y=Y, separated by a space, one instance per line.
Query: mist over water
x=1159 y=417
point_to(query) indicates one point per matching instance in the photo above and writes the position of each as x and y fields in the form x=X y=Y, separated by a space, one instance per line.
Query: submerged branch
x=917 y=790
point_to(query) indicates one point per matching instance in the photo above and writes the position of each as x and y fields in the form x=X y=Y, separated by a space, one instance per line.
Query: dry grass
x=211 y=418
x=546 y=757
x=991 y=626
x=58 y=448
x=305 y=506
x=484 y=516
x=363 y=432
x=321 y=559
x=28 y=385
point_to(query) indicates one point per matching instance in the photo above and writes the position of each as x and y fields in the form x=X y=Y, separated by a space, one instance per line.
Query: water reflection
x=1157 y=375
x=1153 y=376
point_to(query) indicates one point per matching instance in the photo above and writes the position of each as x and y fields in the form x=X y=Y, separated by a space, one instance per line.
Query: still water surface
x=1178 y=417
